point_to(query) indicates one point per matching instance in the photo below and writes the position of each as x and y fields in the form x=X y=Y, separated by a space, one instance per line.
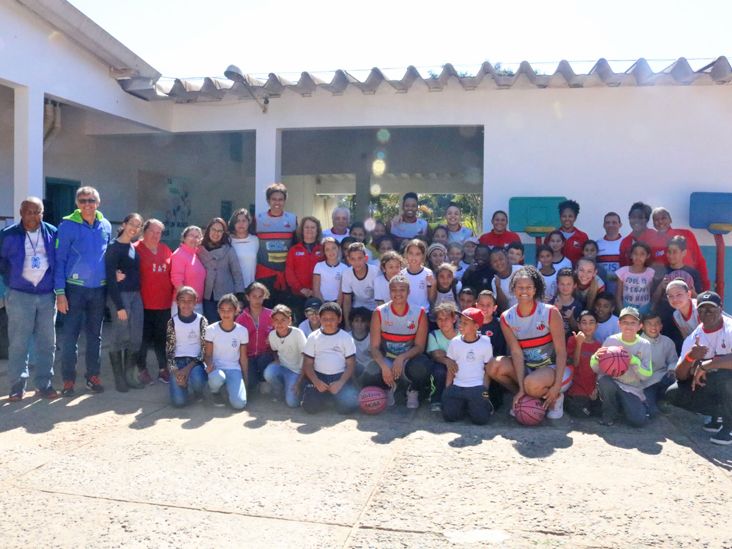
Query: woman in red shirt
x=499 y=235
x=693 y=258
x=301 y=260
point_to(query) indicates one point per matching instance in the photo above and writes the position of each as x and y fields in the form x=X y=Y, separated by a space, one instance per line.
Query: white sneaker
x=390 y=397
x=412 y=400
x=556 y=411
x=512 y=411
x=436 y=407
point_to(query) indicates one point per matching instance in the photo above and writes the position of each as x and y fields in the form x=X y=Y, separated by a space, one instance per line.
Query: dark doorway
x=60 y=199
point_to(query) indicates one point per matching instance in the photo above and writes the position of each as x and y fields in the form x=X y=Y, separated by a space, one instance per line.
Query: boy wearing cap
x=312 y=319
x=624 y=395
x=287 y=344
x=704 y=371
x=466 y=390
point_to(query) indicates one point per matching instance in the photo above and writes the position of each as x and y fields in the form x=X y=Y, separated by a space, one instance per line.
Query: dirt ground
x=116 y=470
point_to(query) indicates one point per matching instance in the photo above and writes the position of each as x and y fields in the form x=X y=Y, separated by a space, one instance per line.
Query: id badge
x=35 y=262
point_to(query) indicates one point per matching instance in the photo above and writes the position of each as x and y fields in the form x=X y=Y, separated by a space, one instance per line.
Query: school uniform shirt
x=330 y=279
x=450 y=296
x=381 y=288
x=506 y=286
x=563 y=263
x=305 y=327
x=329 y=351
x=718 y=342
x=289 y=348
x=636 y=286
x=664 y=357
x=226 y=345
x=471 y=358
x=419 y=288
x=363 y=349
x=584 y=378
x=607 y=328
x=361 y=289
x=550 y=285
x=187 y=336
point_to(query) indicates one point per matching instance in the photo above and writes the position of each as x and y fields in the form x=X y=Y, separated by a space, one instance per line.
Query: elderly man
x=704 y=371
x=27 y=260
x=341 y=220
x=80 y=286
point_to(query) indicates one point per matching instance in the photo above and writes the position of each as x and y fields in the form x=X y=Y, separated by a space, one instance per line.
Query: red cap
x=474 y=314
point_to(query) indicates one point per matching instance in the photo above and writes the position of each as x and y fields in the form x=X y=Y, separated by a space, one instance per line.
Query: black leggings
x=154 y=327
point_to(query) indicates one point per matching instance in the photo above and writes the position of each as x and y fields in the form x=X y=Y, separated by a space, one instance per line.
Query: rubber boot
x=115 y=358
x=131 y=370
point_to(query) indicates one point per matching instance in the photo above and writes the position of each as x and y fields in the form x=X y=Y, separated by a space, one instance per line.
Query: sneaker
x=163 y=376
x=556 y=411
x=49 y=393
x=512 y=411
x=723 y=437
x=145 y=378
x=94 y=384
x=436 y=407
x=390 y=401
x=68 y=389
x=412 y=399
x=16 y=396
x=217 y=399
x=713 y=425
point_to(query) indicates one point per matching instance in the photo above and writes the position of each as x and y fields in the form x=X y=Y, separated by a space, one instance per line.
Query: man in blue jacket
x=27 y=260
x=80 y=286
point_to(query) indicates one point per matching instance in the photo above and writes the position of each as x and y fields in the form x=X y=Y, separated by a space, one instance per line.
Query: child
x=437 y=344
x=312 y=320
x=467 y=389
x=226 y=354
x=502 y=279
x=391 y=264
x=345 y=243
x=479 y=275
x=257 y=319
x=466 y=298
x=566 y=300
x=446 y=287
x=556 y=241
x=574 y=238
x=357 y=283
x=358 y=231
x=436 y=255
x=421 y=279
x=607 y=322
x=608 y=248
x=184 y=344
x=664 y=359
x=360 y=332
x=547 y=270
x=327 y=274
x=590 y=251
x=685 y=314
x=635 y=281
x=491 y=325
x=469 y=247
x=589 y=284
x=287 y=344
x=624 y=395
x=676 y=255
x=516 y=253
x=441 y=236
x=385 y=244
x=455 y=256
x=582 y=398
x=329 y=361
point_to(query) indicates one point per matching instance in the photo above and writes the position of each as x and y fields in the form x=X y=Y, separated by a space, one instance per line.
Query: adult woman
x=245 y=244
x=186 y=268
x=534 y=333
x=156 y=289
x=499 y=235
x=301 y=260
x=407 y=225
x=122 y=265
x=693 y=258
x=223 y=274
x=455 y=230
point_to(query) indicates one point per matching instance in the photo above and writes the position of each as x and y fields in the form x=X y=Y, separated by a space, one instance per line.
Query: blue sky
x=181 y=38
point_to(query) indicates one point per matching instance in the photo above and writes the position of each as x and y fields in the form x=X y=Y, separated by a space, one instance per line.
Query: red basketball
x=372 y=400
x=615 y=361
x=529 y=410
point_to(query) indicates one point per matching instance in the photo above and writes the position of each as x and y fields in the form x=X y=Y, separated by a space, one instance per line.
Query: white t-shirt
x=607 y=328
x=418 y=288
x=330 y=279
x=35 y=263
x=561 y=264
x=246 y=252
x=471 y=359
x=461 y=235
x=363 y=350
x=330 y=351
x=608 y=253
x=361 y=289
x=381 y=288
x=288 y=348
x=550 y=285
x=226 y=345
x=338 y=237
x=506 y=285
x=187 y=336
x=718 y=343
x=636 y=286
x=305 y=327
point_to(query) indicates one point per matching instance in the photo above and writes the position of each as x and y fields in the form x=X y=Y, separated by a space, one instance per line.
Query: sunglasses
x=87 y=200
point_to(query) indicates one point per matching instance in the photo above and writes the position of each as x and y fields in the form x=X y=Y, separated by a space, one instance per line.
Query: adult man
x=398 y=341
x=704 y=371
x=80 y=286
x=27 y=260
x=341 y=220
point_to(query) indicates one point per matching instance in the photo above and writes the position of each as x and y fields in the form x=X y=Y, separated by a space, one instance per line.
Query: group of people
x=430 y=313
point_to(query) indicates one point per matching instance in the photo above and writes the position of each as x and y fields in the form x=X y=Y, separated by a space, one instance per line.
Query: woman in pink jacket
x=186 y=268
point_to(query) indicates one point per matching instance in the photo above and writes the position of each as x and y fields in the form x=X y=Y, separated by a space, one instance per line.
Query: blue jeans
x=86 y=306
x=283 y=379
x=657 y=391
x=615 y=402
x=31 y=318
x=197 y=377
x=234 y=382
x=346 y=400
x=255 y=373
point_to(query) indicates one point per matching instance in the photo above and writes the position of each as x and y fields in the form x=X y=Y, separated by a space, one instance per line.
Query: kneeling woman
x=184 y=344
x=534 y=334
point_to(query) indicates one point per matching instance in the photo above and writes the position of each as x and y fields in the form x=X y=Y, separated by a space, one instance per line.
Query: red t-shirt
x=155 y=285
x=573 y=245
x=650 y=237
x=584 y=379
x=494 y=239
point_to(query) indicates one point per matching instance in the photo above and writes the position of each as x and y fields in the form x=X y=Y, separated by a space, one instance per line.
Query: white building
x=78 y=107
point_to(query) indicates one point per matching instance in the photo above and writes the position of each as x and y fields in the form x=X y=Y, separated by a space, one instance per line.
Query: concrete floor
x=117 y=470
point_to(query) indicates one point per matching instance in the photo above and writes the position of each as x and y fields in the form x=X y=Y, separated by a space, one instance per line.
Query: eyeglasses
x=217 y=231
x=87 y=200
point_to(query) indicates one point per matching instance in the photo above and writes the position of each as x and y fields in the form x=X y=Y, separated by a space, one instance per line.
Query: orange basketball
x=529 y=411
x=372 y=400
x=615 y=361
